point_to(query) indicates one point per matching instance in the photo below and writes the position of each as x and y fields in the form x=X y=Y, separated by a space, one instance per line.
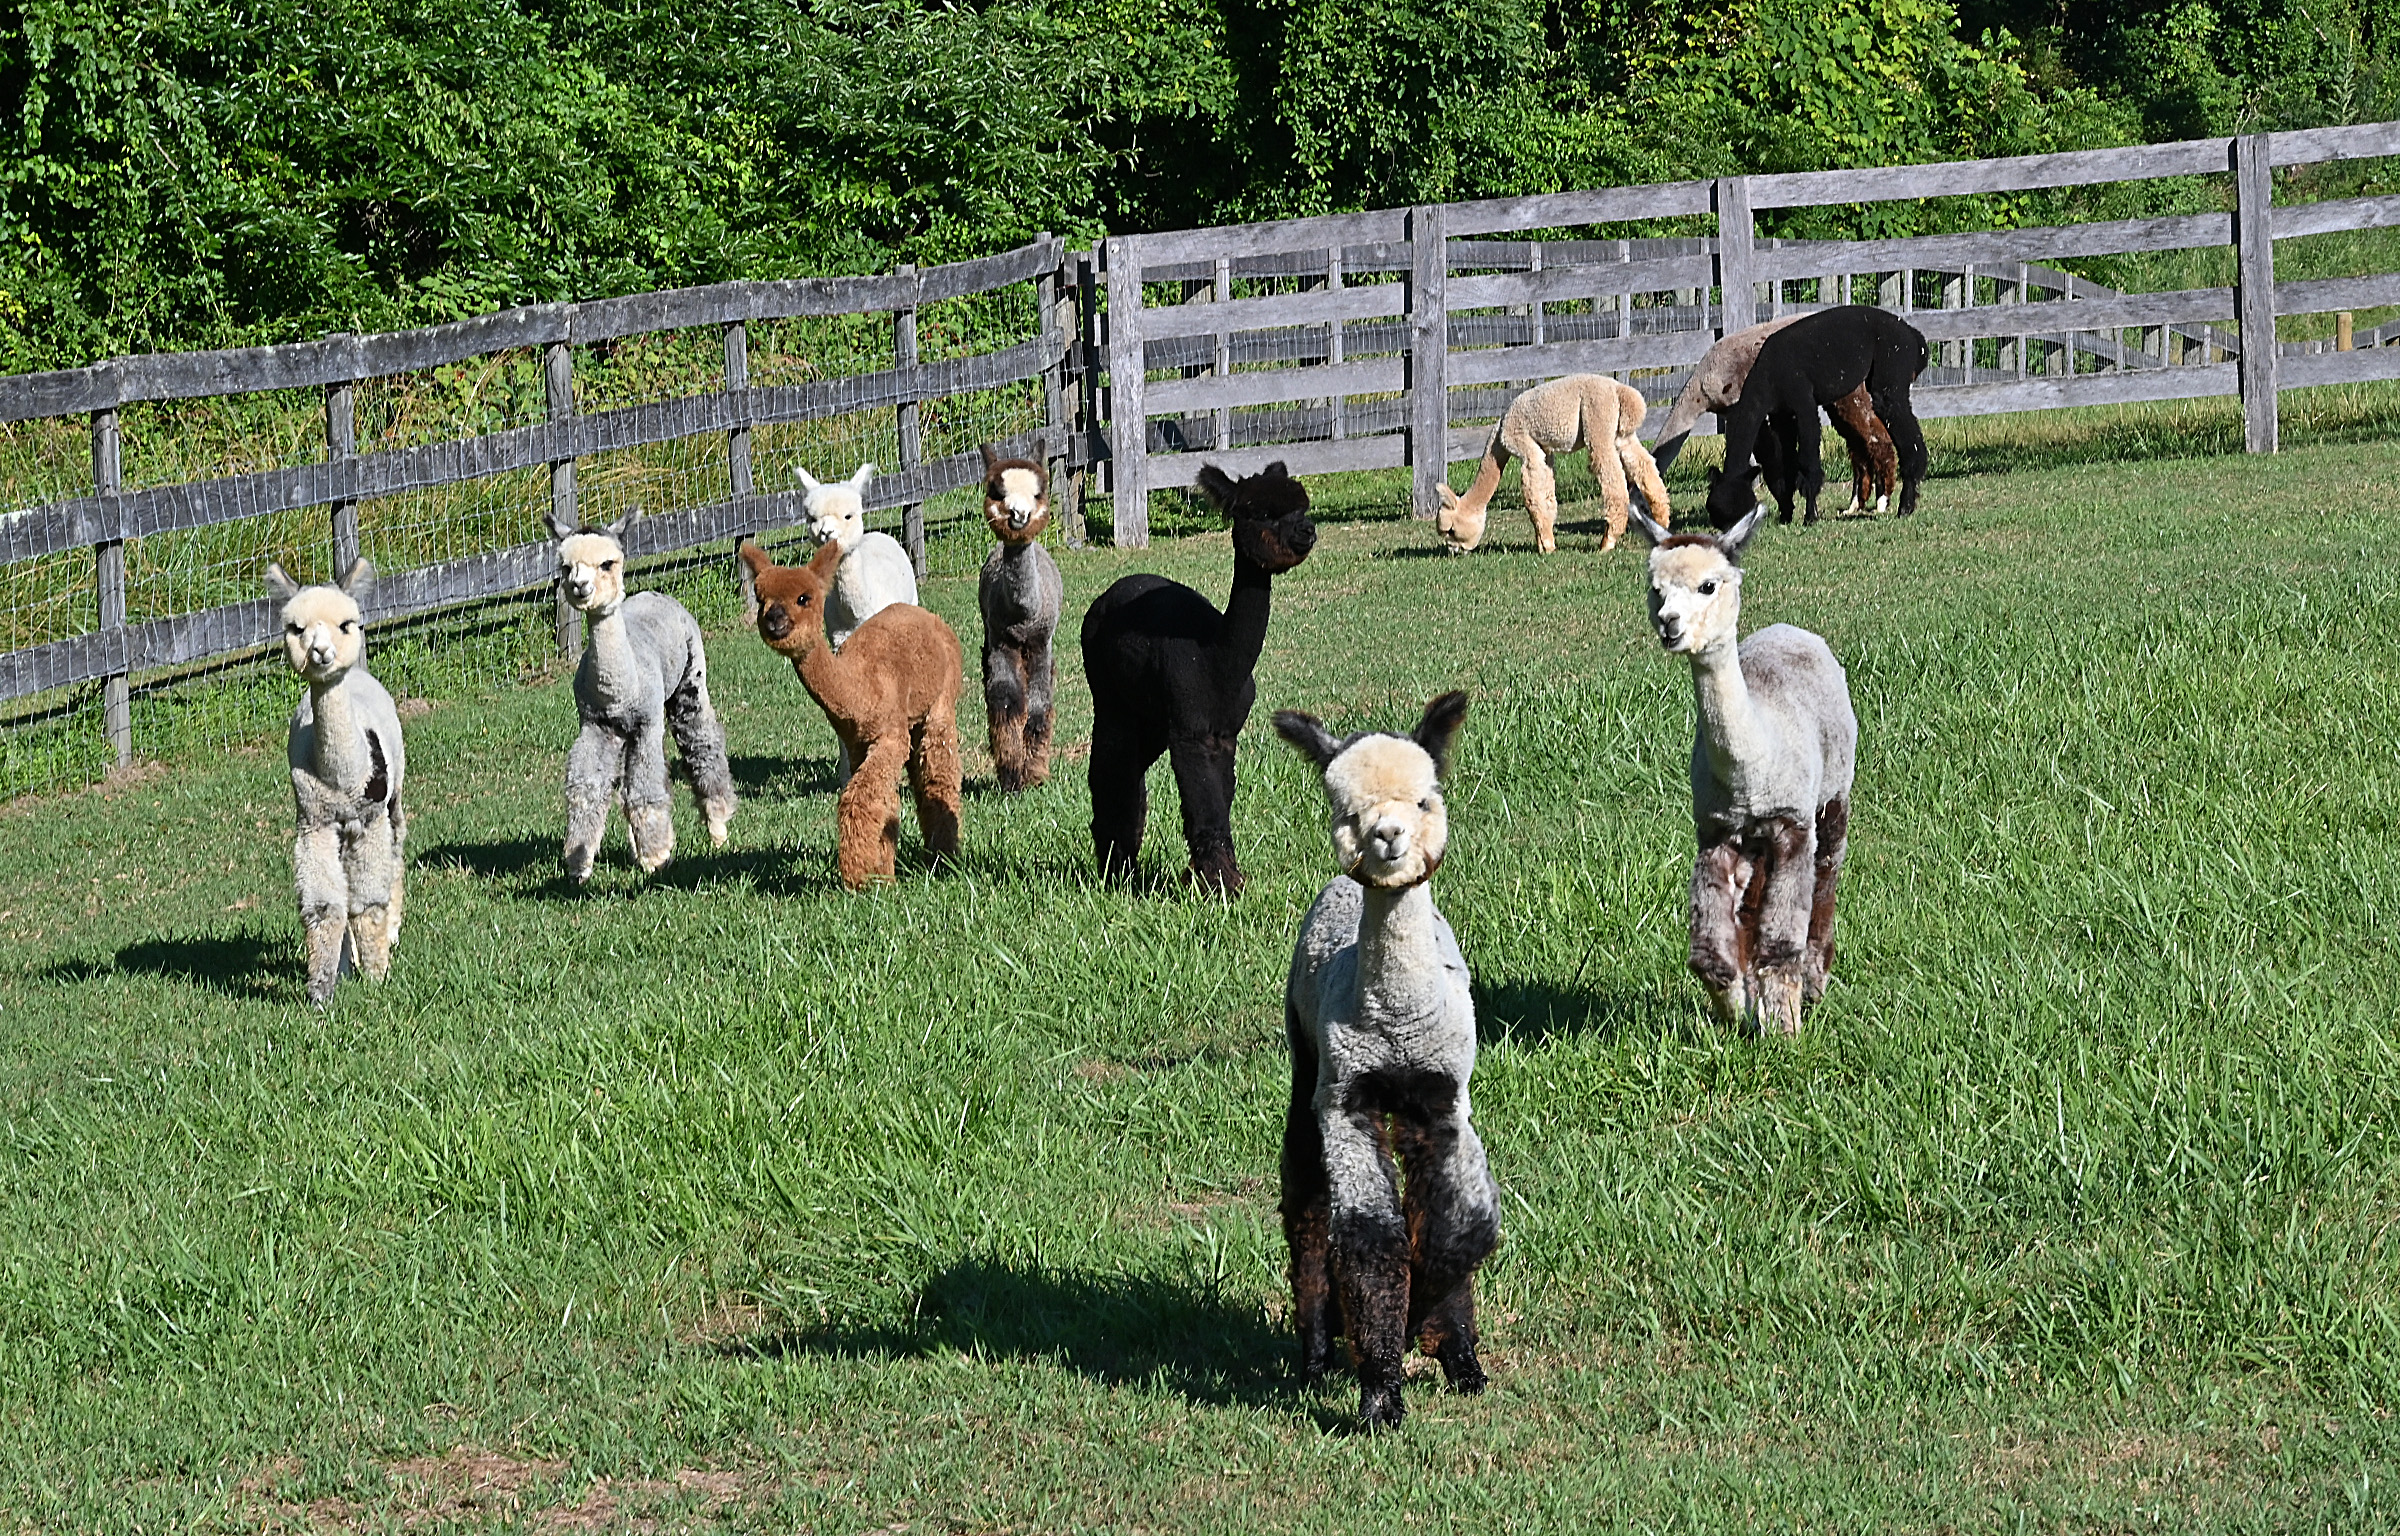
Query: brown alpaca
x=891 y=694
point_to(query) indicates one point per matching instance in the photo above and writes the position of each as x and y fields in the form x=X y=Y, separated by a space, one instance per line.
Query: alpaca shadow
x=1413 y=552
x=1534 y=1012
x=771 y=871
x=498 y=860
x=1120 y=1330
x=238 y=965
x=783 y=778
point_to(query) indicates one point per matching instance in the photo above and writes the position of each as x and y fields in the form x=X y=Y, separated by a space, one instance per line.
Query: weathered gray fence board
x=1492 y=365
x=2355 y=367
x=1275 y=386
x=1586 y=282
x=1389 y=451
x=1994 y=247
x=2306 y=146
x=2047 y=394
x=2335 y=215
x=2017 y=173
x=2319 y=295
x=2046 y=316
x=1386 y=226
x=1561 y=210
x=1373 y=302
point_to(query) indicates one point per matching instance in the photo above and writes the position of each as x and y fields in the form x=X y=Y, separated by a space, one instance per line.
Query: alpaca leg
x=1307 y=1210
x=1120 y=796
x=1541 y=495
x=1720 y=882
x=371 y=865
x=867 y=815
x=1369 y=1242
x=647 y=818
x=1807 y=445
x=700 y=739
x=934 y=782
x=1785 y=886
x=1610 y=472
x=594 y=764
x=1040 y=691
x=324 y=905
x=1908 y=442
x=1833 y=841
x=1204 y=780
x=1004 y=713
x=1453 y=1214
x=1855 y=423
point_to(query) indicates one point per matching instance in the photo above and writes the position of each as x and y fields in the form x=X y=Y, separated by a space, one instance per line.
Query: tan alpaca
x=1581 y=410
x=891 y=694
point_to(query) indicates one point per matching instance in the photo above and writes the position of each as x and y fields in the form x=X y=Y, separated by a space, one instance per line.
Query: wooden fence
x=1356 y=341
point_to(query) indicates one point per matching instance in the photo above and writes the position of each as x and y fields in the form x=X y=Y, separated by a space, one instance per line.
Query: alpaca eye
x=291 y=629
x=608 y=565
x=1708 y=589
x=1425 y=804
x=349 y=625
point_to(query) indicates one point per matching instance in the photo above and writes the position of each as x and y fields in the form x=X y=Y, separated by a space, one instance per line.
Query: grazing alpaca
x=891 y=695
x=1581 y=410
x=1170 y=674
x=347 y=762
x=1717 y=383
x=1772 y=762
x=644 y=675
x=1021 y=595
x=875 y=571
x=1826 y=359
x=1382 y=1030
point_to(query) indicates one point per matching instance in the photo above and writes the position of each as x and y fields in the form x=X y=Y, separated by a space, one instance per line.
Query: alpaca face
x=1732 y=496
x=1269 y=510
x=837 y=513
x=1460 y=525
x=1016 y=502
x=1390 y=827
x=791 y=599
x=324 y=630
x=1695 y=594
x=591 y=572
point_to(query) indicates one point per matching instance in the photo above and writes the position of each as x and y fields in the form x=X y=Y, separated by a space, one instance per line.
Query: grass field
x=727 y=1199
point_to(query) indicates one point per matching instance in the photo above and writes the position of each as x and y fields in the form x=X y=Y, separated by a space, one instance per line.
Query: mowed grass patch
x=730 y=1199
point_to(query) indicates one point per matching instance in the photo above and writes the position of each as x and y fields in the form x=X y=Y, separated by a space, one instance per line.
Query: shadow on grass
x=1121 y=1330
x=238 y=965
x=782 y=778
x=769 y=871
x=1535 y=1012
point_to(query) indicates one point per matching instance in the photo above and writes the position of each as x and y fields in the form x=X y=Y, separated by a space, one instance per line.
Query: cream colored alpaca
x=1581 y=410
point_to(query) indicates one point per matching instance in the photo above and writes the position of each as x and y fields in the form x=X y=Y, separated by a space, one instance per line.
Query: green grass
x=727 y=1198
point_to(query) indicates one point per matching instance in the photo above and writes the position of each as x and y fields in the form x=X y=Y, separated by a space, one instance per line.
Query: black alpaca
x=1823 y=360
x=1170 y=674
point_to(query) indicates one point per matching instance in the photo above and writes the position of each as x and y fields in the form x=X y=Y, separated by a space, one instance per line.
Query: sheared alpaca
x=1581 y=410
x=891 y=695
x=1772 y=761
x=1825 y=359
x=1170 y=674
x=1716 y=383
x=1382 y=1030
x=874 y=572
x=644 y=675
x=1021 y=595
x=347 y=761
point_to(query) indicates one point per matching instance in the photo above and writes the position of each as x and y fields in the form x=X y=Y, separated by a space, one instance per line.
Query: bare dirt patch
x=469 y=1485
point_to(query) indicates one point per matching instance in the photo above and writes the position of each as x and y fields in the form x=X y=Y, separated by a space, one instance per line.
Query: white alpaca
x=644 y=675
x=1382 y=1030
x=347 y=764
x=1772 y=761
x=875 y=571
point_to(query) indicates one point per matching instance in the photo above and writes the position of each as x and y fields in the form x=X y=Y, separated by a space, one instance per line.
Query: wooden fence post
x=108 y=560
x=1128 y=477
x=558 y=386
x=1050 y=307
x=1428 y=359
x=1339 y=427
x=2254 y=288
x=1090 y=354
x=738 y=483
x=912 y=448
x=1729 y=196
x=341 y=442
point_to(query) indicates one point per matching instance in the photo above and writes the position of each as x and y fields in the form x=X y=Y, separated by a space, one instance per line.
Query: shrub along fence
x=1355 y=341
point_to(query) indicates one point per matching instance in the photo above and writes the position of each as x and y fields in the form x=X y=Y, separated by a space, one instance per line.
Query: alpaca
x=1021 y=595
x=1382 y=1030
x=1170 y=674
x=1716 y=383
x=875 y=571
x=644 y=674
x=891 y=695
x=1587 y=410
x=1821 y=359
x=348 y=763
x=1772 y=761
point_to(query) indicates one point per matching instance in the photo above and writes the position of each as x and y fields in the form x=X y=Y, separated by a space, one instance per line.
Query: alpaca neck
x=1399 y=965
x=1731 y=731
x=339 y=755
x=608 y=656
x=1244 y=633
x=838 y=687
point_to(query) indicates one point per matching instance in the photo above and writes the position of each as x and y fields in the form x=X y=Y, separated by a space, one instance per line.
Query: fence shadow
x=1121 y=1330
x=771 y=871
x=245 y=965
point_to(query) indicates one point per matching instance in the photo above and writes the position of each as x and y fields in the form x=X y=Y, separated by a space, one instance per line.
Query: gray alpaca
x=347 y=764
x=1020 y=593
x=1382 y=1030
x=644 y=674
x=1772 y=762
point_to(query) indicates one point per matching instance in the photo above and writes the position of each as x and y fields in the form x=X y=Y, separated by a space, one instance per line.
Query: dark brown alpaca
x=891 y=694
x=1020 y=594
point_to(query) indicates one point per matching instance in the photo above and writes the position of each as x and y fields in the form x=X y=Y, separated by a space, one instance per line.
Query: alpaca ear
x=1439 y=727
x=755 y=558
x=560 y=529
x=991 y=459
x=1308 y=734
x=822 y=564
x=359 y=580
x=617 y=528
x=1734 y=539
x=1276 y=471
x=808 y=482
x=280 y=586
x=1449 y=496
x=1216 y=485
x=860 y=477
x=1647 y=525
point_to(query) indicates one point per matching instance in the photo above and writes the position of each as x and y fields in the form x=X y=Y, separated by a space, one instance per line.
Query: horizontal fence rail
x=1377 y=340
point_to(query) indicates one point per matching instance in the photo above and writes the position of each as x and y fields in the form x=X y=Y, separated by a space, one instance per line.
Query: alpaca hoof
x=1217 y=871
x=1379 y=1405
x=1606 y=544
x=1467 y=1377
